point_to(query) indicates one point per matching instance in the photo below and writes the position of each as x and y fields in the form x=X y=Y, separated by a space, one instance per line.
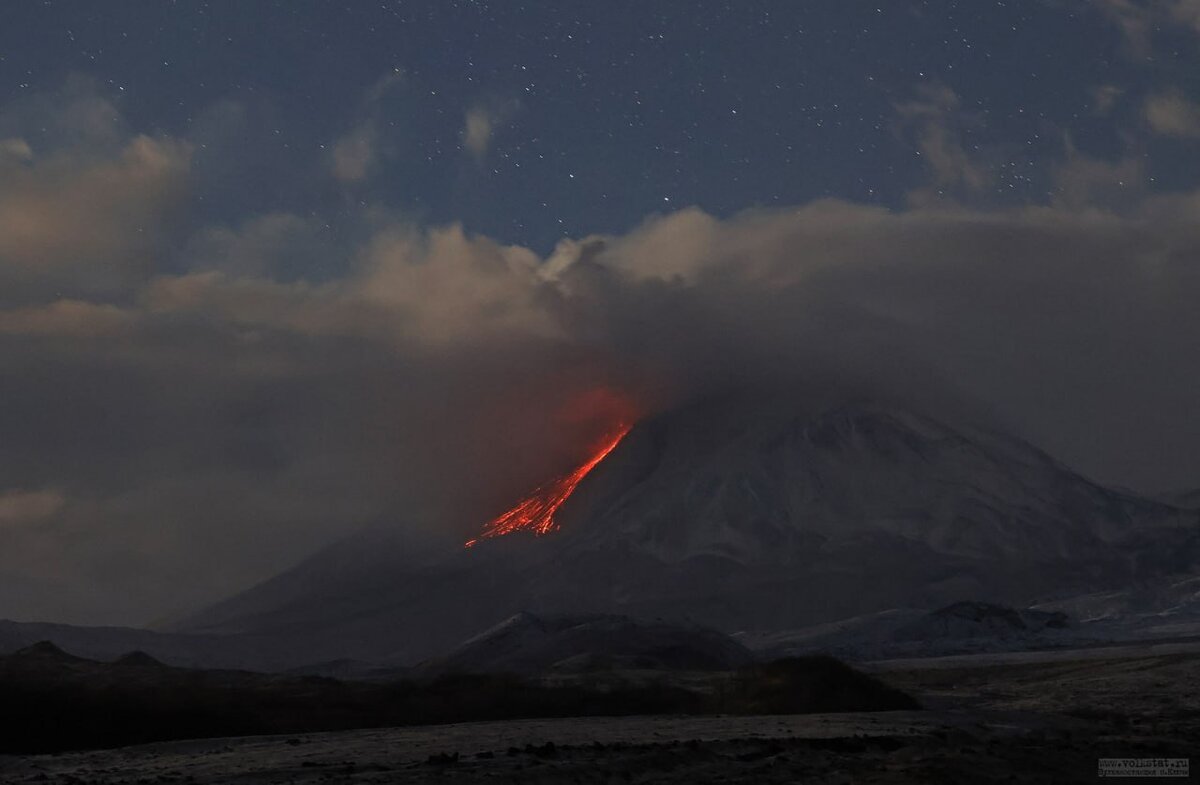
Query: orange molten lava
x=536 y=511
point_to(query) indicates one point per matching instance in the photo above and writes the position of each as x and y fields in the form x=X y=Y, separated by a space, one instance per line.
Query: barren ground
x=1029 y=722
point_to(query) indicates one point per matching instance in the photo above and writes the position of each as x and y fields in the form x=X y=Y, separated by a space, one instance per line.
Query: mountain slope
x=762 y=486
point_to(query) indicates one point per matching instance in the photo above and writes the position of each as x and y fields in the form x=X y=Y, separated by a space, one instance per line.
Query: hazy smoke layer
x=189 y=407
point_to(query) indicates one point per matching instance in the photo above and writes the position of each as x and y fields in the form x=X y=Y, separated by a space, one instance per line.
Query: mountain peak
x=45 y=650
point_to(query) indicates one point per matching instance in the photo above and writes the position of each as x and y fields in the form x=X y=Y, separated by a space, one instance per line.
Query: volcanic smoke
x=536 y=511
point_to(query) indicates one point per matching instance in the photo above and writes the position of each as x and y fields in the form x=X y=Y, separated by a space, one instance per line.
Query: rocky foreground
x=986 y=722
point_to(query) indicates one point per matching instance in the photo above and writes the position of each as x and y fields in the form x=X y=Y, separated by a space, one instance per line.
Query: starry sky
x=590 y=117
x=272 y=271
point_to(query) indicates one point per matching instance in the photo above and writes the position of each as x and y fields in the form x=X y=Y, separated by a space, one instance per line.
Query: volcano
x=741 y=513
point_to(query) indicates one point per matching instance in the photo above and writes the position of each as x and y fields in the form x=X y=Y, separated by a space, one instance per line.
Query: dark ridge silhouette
x=55 y=702
x=817 y=684
x=45 y=650
x=139 y=659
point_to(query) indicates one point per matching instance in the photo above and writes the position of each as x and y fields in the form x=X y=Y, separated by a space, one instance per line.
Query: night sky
x=596 y=115
x=270 y=271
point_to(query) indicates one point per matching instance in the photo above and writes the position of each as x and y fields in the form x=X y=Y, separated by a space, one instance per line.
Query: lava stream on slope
x=536 y=511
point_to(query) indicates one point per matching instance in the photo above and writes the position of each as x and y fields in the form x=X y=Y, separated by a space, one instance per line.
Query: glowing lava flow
x=536 y=511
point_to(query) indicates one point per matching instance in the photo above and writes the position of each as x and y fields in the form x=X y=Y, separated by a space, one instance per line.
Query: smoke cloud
x=205 y=416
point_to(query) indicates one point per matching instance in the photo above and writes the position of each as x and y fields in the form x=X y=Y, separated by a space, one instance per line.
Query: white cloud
x=1081 y=181
x=88 y=223
x=477 y=131
x=935 y=118
x=356 y=154
x=1186 y=12
x=1171 y=114
x=1105 y=97
x=15 y=151
x=480 y=123
x=19 y=508
x=68 y=318
x=1140 y=20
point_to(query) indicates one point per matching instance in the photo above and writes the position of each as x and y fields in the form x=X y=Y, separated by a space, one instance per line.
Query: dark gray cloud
x=186 y=415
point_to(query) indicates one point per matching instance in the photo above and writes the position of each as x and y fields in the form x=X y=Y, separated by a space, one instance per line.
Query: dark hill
x=53 y=701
